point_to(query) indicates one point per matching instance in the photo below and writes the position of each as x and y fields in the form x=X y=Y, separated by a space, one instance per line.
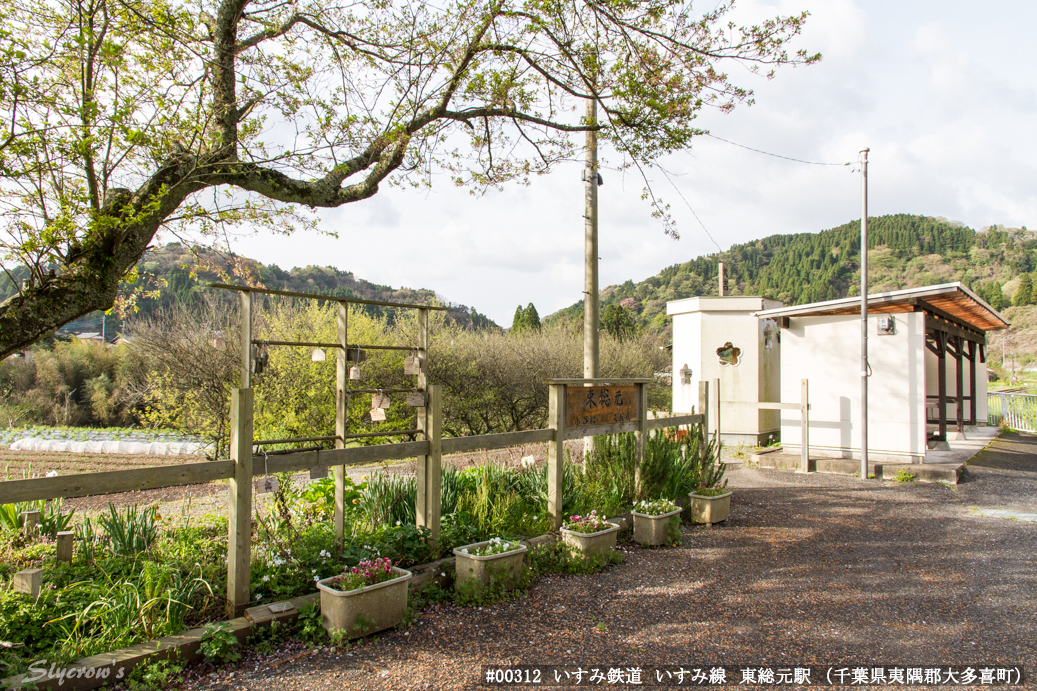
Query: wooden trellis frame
x=244 y=464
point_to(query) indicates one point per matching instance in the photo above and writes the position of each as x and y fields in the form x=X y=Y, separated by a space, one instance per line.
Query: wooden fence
x=244 y=465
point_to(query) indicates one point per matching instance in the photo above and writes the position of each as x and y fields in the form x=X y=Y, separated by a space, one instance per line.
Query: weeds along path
x=808 y=570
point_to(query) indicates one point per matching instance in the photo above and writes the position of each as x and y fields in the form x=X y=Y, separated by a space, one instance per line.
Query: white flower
x=52 y=473
x=266 y=578
x=443 y=574
x=397 y=523
x=259 y=596
x=316 y=578
x=464 y=550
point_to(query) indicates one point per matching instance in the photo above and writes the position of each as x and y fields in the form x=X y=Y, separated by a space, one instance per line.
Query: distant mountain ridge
x=904 y=251
x=180 y=275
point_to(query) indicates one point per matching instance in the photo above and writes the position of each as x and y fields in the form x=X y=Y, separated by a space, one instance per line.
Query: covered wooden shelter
x=950 y=321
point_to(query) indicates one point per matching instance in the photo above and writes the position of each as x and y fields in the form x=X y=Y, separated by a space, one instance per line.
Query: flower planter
x=590 y=544
x=365 y=610
x=653 y=530
x=506 y=566
x=710 y=510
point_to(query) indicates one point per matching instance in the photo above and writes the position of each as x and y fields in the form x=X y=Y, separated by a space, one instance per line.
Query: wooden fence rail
x=246 y=465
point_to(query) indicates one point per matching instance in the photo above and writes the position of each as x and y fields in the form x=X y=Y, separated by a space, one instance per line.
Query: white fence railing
x=1015 y=410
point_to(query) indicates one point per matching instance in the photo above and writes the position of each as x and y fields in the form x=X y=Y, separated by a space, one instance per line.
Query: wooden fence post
x=432 y=468
x=639 y=435
x=341 y=372
x=29 y=581
x=239 y=544
x=422 y=507
x=65 y=540
x=804 y=402
x=704 y=412
x=246 y=340
x=555 y=453
x=31 y=522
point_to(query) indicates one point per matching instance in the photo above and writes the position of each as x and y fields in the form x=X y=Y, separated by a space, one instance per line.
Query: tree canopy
x=526 y=319
x=126 y=117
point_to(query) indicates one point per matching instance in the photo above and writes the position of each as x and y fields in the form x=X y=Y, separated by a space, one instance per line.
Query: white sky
x=939 y=90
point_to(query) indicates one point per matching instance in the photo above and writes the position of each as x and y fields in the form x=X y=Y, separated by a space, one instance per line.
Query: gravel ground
x=809 y=570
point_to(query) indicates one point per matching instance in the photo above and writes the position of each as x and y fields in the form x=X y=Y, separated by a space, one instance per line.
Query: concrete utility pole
x=864 y=314
x=590 y=273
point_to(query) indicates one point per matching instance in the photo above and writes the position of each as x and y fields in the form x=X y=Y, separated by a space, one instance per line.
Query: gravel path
x=809 y=570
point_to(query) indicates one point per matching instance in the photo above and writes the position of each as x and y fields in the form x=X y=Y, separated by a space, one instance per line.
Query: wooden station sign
x=600 y=405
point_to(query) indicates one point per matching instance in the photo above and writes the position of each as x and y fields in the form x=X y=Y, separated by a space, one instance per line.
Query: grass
x=904 y=476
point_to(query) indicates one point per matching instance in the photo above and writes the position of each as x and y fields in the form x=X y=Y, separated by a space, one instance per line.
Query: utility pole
x=864 y=314
x=590 y=226
x=590 y=250
x=721 y=290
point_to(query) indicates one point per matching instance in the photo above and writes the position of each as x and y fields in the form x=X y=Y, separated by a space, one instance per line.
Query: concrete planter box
x=652 y=530
x=710 y=510
x=377 y=606
x=506 y=565
x=590 y=544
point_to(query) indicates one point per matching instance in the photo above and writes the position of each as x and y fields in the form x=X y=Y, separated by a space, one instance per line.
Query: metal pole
x=590 y=274
x=864 y=314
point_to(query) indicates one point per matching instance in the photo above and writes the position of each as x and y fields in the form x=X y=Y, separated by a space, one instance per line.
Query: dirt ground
x=809 y=570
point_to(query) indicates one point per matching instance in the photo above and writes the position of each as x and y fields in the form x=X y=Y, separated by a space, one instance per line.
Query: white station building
x=926 y=355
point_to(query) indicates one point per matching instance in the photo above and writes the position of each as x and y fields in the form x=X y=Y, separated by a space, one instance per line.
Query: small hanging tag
x=413 y=364
x=354 y=373
x=377 y=414
x=267 y=485
x=416 y=400
x=380 y=401
x=318 y=472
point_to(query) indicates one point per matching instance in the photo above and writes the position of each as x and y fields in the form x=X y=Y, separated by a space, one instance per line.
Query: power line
x=767 y=153
x=720 y=249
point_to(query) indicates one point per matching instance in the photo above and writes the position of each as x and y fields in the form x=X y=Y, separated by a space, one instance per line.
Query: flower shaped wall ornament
x=729 y=355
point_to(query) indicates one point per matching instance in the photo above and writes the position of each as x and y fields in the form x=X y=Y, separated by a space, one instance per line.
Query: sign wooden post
x=704 y=412
x=341 y=372
x=641 y=392
x=804 y=401
x=556 y=414
x=239 y=544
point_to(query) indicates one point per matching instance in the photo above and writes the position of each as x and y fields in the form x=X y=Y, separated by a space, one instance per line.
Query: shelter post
x=959 y=393
x=804 y=402
x=972 y=382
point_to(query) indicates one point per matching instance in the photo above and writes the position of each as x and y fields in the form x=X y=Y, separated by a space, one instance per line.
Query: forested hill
x=905 y=251
x=173 y=274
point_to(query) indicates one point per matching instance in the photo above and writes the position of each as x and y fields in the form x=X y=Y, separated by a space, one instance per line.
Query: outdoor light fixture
x=318 y=355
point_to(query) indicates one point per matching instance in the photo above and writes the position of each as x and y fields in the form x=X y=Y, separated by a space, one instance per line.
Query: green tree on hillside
x=618 y=322
x=1023 y=295
x=525 y=319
